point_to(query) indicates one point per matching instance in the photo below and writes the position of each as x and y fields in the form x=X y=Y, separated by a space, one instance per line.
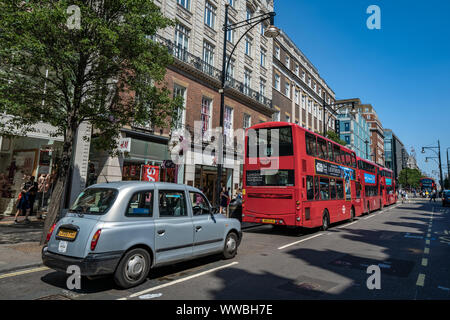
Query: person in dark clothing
x=32 y=193
x=224 y=196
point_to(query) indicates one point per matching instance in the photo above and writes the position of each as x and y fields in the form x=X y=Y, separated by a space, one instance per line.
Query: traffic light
x=337 y=125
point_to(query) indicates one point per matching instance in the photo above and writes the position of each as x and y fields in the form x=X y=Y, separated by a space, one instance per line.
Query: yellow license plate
x=68 y=234
x=268 y=220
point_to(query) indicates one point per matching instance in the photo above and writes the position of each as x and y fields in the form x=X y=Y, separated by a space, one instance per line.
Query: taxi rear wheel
x=133 y=268
x=231 y=246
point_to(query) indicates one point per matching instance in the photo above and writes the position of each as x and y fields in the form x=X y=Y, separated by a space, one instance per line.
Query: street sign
x=125 y=145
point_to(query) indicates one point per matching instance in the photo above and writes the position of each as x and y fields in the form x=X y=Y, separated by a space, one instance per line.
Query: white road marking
x=294 y=243
x=18 y=273
x=420 y=280
x=177 y=281
x=369 y=217
x=346 y=225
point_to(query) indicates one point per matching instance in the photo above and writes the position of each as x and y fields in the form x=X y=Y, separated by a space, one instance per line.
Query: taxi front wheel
x=133 y=268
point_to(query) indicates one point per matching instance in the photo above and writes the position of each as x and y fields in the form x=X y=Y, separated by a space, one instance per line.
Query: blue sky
x=403 y=69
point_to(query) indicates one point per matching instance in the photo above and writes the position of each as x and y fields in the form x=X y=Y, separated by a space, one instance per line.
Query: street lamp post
x=367 y=149
x=448 y=167
x=271 y=32
x=440 y=163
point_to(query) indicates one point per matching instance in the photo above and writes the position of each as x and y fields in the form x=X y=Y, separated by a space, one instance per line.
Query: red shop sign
x=150 y=173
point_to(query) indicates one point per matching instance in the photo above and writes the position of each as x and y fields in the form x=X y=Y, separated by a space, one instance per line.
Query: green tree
x=410 y=178
x=107 y=71
x=335 y=137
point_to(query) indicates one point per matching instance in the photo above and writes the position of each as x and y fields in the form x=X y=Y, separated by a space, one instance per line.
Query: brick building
x=376 y=133
x=298 y=89
x=196 y=42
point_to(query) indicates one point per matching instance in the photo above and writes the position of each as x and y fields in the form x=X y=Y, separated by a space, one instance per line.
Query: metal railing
x=185 y=56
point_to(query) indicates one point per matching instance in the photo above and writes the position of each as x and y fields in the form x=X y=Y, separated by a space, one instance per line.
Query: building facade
x=355 y=131
x=396 y=154
x=298 y=90
x=376 y=133
x=196 y=43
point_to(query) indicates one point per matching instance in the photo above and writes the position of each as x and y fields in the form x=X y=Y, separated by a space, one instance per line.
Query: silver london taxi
x=127 y=228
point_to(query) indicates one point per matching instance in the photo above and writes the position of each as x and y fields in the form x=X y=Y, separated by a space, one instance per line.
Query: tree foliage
x=335 y=137
x=410 y=177
x=107 y=72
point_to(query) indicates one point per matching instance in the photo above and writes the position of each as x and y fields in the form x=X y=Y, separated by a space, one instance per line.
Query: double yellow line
x=18 y=273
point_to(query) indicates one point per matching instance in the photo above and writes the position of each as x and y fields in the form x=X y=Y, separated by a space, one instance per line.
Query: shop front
x=146 y=159
x=22 y=157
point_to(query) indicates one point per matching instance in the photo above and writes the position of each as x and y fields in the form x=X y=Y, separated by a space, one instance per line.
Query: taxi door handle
x=198 y=228
x=161 y=232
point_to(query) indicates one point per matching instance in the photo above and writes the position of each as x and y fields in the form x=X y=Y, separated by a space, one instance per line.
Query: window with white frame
x=247 y=80
x=277 y=52
x=287 y=89
x=184 y=3
x=309 y=106
x=288 y=62
x=179 y=91
x=248 y=46
x=228 y=124
x=277 y=82
x=206 y=115
x=303 y=101
x=247 y=121
x=297 y=70
x=276 y=116
x=210 y=14
x=181 y=41
x=249 y=13
x=230 y=68
x=208 y=53
x=303 y=75
x=297 y=96
x=288 y=118
x=230 y=33
x=263 y=28
x=263 y=57
x=262 y=87
x=232 y=2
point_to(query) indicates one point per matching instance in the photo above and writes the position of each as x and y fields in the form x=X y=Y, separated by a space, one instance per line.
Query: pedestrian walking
x=224 y=196
x=433 y=196
x=23 y=203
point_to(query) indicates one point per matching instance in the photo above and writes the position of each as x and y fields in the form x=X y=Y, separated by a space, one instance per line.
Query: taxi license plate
x=268 y=221
x=67 y=234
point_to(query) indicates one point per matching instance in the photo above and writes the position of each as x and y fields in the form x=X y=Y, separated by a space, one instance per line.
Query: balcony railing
x=185 y=56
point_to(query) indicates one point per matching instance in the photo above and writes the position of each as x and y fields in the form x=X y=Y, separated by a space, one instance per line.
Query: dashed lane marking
x=426 y=251
x=177 y=281
x=424 y=262
x=420 y=280
x=296 y=242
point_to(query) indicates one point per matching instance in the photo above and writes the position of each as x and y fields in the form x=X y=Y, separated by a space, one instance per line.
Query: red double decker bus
x=311 y=182
x=427 y=185
x=369 y=176
x=388 y=188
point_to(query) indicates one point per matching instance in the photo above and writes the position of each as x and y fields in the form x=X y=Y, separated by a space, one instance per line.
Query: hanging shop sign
x=150 y=173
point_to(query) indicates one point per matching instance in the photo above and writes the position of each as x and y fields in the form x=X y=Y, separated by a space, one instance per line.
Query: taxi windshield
x=94 y=201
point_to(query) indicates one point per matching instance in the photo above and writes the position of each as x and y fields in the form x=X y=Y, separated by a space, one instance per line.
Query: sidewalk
x=19 y=244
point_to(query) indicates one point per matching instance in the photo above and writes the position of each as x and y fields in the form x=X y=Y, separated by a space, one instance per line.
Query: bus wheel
x=368 y=208
x=381 y=205
x=325 y=221
x=352 y=214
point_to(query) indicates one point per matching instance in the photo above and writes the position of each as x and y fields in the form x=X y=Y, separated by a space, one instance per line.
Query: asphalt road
x=409 y=242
